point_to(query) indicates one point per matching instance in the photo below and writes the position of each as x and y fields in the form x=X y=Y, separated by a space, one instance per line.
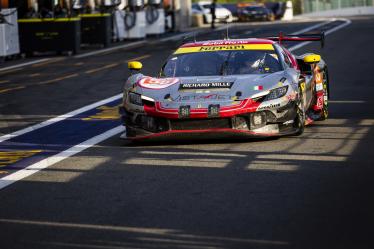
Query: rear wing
x=299 y=38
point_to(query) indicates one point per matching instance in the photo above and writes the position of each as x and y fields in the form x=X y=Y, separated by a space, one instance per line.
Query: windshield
x=221 y=63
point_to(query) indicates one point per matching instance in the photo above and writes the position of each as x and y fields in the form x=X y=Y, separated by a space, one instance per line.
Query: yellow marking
x=11 y=70
x=50 y=20
x=4 y=81
x=10 y=157
x=139 y=58
x=102 y=68
x=47 y=62
x=11 y=89
x=94 y=15
x=34 y=75
x=78 y=64
x=3 y=172
x=58 y=79
x=106 y=113
x=302 y=86
x=224 y=48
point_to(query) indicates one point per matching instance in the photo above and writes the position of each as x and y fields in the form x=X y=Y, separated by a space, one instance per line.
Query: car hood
x=207 y=90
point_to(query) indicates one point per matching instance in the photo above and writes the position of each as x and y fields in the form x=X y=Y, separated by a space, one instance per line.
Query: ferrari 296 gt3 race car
x=247 y=87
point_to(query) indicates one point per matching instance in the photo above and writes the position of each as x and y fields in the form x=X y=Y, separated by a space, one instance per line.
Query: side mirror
x=134 y=65
x=312 y=59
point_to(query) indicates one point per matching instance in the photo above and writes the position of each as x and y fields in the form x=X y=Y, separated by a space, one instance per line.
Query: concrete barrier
x=354 y=11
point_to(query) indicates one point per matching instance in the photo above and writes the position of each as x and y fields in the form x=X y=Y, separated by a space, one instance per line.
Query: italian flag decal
x=258 y=88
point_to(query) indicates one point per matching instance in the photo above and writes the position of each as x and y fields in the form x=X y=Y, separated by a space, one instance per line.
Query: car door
x=307 y=86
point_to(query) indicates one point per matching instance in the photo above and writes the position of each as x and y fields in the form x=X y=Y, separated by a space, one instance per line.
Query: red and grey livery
x=247 y=87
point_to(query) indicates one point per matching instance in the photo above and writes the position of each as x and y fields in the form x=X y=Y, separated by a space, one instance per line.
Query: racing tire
x=299 y=121
x=326 y=93
x=130 y=132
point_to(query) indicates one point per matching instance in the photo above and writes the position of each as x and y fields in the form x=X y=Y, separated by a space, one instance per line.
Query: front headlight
x=276 y=93
x=135 y=98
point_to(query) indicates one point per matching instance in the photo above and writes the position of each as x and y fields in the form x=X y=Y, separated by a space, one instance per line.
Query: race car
x=244 y=87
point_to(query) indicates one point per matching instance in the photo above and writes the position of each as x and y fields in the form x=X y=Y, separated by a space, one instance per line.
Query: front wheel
x=326 y=93
x=299 y=121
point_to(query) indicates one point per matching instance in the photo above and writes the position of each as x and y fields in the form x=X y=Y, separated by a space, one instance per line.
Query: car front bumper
x=262 y=123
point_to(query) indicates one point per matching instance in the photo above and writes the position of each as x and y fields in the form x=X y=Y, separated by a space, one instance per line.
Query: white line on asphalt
x=59 y=118
x=24 y=64
x=45 y=163
x=178 y=37
x=346 y=23
x=312 y=27
x=129 y=45
x=32 y=169
x=347 y=101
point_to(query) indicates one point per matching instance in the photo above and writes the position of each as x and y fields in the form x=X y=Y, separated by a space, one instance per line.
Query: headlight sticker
x=157 y=83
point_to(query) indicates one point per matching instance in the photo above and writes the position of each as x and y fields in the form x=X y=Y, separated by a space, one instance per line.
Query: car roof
x=228 y=42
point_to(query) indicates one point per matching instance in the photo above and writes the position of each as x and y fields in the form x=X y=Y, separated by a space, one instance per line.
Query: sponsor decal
x=157 y=83
x=302 y=86
x=319 y=78
x=218 y=48
x=209 y=85
x=292 y=96
x=258 y=88
x=215 y=43
x=320 y=102
x=223 y=47
x=201 y=97
x=319 y=87
x=270 y=106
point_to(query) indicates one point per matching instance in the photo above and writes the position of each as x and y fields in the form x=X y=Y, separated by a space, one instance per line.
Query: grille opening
x=200 y=124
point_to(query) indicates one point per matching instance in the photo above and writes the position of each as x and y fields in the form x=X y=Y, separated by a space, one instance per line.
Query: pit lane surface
x=311 y=191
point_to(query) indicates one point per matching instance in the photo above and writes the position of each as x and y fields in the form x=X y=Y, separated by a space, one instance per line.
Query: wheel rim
x=300 y=119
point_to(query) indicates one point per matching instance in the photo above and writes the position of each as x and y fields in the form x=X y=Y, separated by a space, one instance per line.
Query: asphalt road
x=312 y=191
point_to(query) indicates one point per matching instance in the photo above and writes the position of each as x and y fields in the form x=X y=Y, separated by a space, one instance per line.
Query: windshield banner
x=197 y=49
